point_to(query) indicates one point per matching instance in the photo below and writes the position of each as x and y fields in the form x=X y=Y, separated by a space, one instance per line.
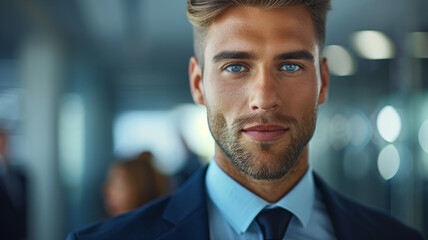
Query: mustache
x=267 y=117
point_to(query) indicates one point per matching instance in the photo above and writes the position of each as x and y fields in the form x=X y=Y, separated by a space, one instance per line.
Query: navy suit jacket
x=184 y=216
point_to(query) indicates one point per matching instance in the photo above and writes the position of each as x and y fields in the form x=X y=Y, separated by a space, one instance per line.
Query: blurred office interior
x=88 y=81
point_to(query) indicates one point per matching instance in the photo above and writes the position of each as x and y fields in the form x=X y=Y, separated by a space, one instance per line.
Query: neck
x=270 y=190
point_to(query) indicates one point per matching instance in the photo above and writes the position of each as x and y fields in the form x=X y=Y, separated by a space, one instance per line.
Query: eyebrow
x=232 y=55
x=301 y=54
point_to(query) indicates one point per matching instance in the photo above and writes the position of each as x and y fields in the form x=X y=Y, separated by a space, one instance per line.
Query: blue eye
x=290 y=67
x=235 y=68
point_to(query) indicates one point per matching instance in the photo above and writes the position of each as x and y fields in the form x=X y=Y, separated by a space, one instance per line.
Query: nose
x=265 y=93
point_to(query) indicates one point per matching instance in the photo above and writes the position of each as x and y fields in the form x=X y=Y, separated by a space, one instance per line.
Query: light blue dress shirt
x=232 y=209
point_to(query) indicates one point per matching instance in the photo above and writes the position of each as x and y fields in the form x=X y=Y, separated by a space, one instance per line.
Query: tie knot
x=273 y=223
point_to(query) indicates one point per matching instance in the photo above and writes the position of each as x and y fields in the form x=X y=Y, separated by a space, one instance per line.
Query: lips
x=266 y=132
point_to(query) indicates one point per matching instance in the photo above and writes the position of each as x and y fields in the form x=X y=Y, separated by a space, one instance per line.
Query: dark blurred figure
x=133 y=183
x=13 y=196
x=192 y=164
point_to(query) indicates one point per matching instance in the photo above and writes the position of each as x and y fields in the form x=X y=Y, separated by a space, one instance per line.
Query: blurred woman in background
x=131 y=184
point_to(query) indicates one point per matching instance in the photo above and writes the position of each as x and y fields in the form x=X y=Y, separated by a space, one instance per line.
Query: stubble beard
x=252 y=160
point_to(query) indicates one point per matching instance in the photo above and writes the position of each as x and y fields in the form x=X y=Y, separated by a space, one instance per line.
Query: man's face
x=261 y=85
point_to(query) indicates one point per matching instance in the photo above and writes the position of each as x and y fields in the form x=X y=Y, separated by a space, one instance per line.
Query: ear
x=325 y=81
x=196 y=84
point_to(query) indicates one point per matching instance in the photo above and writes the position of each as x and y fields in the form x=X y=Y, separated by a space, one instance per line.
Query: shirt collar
x=300 y=200
x=239 y=206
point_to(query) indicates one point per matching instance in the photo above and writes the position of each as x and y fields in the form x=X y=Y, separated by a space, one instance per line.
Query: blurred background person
x=131 y=184
x=192 y=163
x=13 y=198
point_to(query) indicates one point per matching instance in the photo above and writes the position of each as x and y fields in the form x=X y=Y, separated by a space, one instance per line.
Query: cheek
x=302 y=96
x=310 y=92
x=225 y=98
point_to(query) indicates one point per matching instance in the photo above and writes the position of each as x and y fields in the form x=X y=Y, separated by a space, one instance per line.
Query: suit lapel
x=187 y=210
x=344 y=221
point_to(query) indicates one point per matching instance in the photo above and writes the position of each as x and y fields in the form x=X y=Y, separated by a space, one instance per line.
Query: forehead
x=254 y=28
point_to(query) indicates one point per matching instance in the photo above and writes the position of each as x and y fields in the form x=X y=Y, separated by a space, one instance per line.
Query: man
x=13 y=205
x=260 y=73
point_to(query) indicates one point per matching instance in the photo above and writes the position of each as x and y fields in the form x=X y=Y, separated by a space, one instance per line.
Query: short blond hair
x=201 y=13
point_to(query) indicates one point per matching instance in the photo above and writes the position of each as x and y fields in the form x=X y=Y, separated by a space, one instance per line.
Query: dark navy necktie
x=273 y=223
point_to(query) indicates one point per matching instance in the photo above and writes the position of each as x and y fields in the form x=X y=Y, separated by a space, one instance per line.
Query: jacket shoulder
x=166 y=218
x=383 y=223
x=363 y=220
x=145 y=222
